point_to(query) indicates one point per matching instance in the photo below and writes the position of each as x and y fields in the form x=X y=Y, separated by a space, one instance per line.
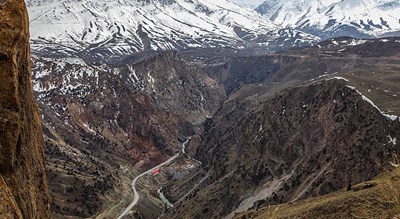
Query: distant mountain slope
x=248 y=3
x=109 y=28
x=332 y=18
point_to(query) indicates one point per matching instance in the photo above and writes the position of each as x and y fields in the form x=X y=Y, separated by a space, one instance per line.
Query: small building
x=155 y=171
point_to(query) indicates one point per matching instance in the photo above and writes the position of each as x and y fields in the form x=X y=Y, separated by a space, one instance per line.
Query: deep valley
x=267 y=128
x=199 y=109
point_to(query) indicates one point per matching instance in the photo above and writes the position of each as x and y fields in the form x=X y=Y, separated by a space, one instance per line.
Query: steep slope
x=378 y=198
x=248 y=3
x=23 y=183
x=306 y=141
x=234 y=137
x=103 y=29
x=333 y=18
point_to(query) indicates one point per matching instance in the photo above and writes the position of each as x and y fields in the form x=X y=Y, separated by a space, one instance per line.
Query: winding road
x=135 y=193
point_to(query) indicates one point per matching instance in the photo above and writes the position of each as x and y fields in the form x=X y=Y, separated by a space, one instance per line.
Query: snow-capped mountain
x=248 y=3
x=331 y=18
x=127 y=26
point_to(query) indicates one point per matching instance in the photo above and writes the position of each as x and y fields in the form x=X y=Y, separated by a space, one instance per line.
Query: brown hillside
x=378 y=198
x=307 y=141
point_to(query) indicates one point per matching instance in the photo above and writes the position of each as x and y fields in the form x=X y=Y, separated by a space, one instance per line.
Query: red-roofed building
x=155 y=171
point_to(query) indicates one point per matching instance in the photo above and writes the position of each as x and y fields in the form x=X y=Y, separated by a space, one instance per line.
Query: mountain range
x=248 y=3
x=97 y=29
x=333 y=18
x=101 y=30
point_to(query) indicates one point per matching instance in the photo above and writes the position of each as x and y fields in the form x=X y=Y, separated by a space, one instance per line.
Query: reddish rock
x=23 y=183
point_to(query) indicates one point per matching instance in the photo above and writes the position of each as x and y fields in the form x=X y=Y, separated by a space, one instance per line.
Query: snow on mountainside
x=332 y=18
x=248 y=3
x=127 y=26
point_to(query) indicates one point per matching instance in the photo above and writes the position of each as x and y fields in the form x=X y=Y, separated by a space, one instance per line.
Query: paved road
x=135 y=193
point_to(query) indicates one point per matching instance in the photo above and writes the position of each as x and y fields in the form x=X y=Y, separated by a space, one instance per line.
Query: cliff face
x=23 y=188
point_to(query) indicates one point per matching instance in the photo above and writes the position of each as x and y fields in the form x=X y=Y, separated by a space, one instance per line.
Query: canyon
x=147 y=120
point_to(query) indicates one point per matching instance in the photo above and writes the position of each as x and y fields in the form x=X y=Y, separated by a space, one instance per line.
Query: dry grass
x=385 y=200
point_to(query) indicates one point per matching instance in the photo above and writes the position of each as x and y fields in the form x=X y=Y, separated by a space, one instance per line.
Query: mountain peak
x=357 y=18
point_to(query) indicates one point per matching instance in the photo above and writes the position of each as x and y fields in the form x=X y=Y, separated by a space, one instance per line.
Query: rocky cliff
x=23 y=188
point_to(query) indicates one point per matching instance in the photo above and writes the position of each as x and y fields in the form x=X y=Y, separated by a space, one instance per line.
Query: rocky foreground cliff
x=23 y=183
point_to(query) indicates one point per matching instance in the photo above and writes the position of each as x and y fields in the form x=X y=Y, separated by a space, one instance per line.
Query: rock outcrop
x=23 y=189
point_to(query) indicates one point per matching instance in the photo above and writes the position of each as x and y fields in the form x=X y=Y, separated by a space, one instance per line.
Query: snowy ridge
x=332 y=18
x=129 y=26
x=390 y=117
x=248 y=3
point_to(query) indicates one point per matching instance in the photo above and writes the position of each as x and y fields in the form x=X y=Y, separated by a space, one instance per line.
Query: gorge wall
x=23 y=183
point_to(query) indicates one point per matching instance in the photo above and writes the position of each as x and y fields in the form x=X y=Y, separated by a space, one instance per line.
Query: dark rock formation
x=23 y=183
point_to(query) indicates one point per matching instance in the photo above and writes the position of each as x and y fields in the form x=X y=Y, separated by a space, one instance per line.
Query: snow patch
x=338 y=78
x=392 y=140
x=88 y=128
x=355 y=42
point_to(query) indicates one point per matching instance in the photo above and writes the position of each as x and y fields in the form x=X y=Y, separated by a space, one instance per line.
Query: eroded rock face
x=23 y=189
